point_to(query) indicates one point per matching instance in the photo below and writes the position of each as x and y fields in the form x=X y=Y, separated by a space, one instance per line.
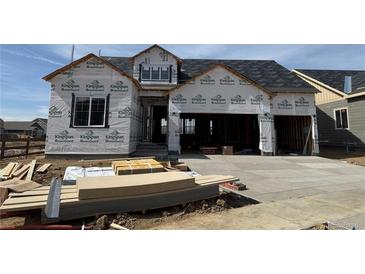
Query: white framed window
x=89 y=111
x=155 y=73
x=341 y=118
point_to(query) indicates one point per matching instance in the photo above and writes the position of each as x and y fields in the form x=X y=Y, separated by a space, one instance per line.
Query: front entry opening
x=216 y=130
x=293 y=134
x=159 y=124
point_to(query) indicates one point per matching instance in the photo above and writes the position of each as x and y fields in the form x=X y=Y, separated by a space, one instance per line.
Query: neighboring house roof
x=26 y=125
x=266 y=73
x=18 y=125
x=336 y=78
x=41 y=122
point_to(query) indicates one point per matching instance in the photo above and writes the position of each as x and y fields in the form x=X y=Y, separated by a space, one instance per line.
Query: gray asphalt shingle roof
x=25 y=125
x=267 y=73
x=336 y=78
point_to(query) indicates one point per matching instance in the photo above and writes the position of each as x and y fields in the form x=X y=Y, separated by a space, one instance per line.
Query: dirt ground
x=356 y=157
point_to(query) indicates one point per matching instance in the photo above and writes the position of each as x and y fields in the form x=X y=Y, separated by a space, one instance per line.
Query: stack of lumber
x=140 y=166
x=8 y=171
x=103 y=195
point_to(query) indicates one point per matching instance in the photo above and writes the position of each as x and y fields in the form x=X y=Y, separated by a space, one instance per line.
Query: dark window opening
x=341 y=118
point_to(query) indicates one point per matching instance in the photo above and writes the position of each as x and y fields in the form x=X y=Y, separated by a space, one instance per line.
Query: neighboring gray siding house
x=118 y=105
x=36 y=128
x=340 y=105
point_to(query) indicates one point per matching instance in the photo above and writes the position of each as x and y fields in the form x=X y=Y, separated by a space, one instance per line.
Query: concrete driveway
x=295 y=192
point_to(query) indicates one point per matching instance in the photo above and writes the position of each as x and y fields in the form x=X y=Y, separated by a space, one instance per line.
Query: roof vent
x=348 y=85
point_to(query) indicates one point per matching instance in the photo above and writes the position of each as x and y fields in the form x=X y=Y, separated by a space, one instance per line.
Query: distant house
x=36 y=128
x=340 y=105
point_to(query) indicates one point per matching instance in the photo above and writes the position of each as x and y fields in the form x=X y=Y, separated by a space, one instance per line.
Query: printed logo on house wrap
x=89 y=137
x=257 y=99
x=178 y=99
x=218 y=100
x=94 y=64
x=243 y=83
x=119 y=86
x=238 y=100
x=64 y=137
x=164 y=56
x=198 y=99
x=125 y=113
x=285 y=105
x=54 y=112
x=95 y=86
x=227 y=80
x=301 y=102
x=114 y=137
x=70 y=85
x=207 y=80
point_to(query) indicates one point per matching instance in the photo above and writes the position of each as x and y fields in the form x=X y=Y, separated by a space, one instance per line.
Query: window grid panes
x=82 y=105
x=155 y=73
x=89 y=111
x=97 y=111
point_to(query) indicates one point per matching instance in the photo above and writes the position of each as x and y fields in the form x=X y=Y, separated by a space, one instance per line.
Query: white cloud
x=31 y=56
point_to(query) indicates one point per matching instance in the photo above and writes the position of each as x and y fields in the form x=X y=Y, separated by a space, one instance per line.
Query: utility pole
x=72 y=53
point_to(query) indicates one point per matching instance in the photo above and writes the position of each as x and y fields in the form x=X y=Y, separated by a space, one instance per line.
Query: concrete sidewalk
x=295 y=192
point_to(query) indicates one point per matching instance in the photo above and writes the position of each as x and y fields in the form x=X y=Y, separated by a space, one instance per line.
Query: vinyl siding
x=329 y=135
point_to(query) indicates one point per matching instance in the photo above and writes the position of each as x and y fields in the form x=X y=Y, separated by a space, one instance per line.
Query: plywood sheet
x=34 y=199
x=37 y=192
x=132 y=185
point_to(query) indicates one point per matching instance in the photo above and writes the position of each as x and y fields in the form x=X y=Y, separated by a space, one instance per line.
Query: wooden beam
x=31 y=170
x=43 y=168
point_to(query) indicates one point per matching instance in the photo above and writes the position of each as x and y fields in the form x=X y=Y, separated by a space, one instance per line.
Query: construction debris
x=43 y=168
x=21 y=172
x=102 y=223
x=31 y=170
x=5 y=172
x=117 y=227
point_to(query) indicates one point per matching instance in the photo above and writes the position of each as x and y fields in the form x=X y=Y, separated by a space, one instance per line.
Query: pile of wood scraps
x=17 y=177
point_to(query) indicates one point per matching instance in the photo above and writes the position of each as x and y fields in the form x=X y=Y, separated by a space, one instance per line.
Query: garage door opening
x=293 y=134
x=216 y=130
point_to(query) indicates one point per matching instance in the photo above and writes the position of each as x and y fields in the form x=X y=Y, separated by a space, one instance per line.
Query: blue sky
x=25 y=96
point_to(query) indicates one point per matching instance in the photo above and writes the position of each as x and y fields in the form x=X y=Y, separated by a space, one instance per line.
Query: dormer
x=156 y=67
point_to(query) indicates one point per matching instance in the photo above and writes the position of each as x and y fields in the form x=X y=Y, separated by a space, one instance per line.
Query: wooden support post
x=27 y=147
